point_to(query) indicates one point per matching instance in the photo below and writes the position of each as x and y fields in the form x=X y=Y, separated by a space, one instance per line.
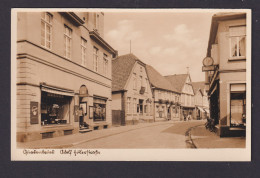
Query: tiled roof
x=158 y=81
x=121 y=69
x=198 y=85
x=177 y=80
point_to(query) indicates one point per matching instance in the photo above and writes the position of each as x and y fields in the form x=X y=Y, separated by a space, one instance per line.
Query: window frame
x=105 y=64
x=46 y=23
x=83 y=46
x=69 y=37
x=231 y=58
x=95 y=58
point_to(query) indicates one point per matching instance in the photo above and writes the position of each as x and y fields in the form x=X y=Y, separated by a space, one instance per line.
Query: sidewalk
x=72 y=140
x=203 y=138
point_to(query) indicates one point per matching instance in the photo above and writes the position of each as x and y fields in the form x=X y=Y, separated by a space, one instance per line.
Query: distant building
x=63 y=74
x=182 y=82
x=166 y=97
x=200 y=100
x=225 y=70
x=132 y=99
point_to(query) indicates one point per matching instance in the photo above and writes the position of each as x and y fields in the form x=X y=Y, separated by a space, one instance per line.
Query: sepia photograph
x=131 y=84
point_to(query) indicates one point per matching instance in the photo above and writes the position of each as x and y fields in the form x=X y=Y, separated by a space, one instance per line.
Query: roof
x=177 y=80
x=158 y=81
x=197 y=86
x=214 y=25
x=121 y=70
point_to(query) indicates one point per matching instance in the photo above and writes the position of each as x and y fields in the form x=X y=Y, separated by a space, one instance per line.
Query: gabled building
x=182 y=82
x=132 y=100
x=225 y=71
x=200 y=100
x=63 y=67
x=166 y=97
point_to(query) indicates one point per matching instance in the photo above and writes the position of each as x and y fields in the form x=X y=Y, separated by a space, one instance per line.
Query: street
x=166 y=135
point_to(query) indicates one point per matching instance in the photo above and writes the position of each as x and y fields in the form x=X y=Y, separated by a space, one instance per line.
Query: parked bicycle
x=210 y=124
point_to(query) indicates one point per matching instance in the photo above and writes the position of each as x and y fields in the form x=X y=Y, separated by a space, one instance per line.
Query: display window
x=55 y=108
x=238 y=105
x=99 y=110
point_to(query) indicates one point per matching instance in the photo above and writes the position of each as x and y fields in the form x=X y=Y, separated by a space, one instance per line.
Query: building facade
x=63 y=74
x=166 y=97
x=225 y=71
x=182 y=82
x=132 y=100
x=200 y=100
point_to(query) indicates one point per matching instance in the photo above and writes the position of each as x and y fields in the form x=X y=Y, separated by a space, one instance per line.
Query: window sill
x=237 y=59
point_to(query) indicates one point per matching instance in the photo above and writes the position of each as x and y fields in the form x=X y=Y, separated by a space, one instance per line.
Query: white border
x=234 y=154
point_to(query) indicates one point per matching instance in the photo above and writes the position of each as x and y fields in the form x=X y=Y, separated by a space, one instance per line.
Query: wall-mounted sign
x=34 y=112
x=208 y=68
x=208 y=61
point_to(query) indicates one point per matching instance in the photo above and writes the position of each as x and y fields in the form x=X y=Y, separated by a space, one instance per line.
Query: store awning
x=207 y=111
x=201 y=109
x=58 y=91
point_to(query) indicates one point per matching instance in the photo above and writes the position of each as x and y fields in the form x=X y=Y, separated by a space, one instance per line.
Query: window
x=46 y=30
x=134 y=82
x=159 y=95
x=141 y=81
x=105 y=64
x=134 y=105
x=55 y=108
x=147 y=85
x=97 y=22
x=67 y=41
x=95 y=59
x=238 y=105
x=128 y=104
x=99 y=109
x=83 y=51
x=237 y=41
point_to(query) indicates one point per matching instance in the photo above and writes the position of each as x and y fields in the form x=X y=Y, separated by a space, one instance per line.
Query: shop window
x=46 y=30
x=237 y=41
x=55 y=109
x=99 y=110
x=157 y=111
x=237 y=106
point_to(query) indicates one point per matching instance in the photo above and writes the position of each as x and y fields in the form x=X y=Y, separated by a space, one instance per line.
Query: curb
x=190 y=136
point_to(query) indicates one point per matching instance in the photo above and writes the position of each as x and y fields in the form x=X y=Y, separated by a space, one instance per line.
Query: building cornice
x=98 y=39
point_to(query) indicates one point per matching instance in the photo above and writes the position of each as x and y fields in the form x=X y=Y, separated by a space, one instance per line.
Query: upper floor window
x=147 y=85
x=95 y=59
x=105 y=64
x=237 y=42
x=97 y=22
x=46 y=30
x=67 y=41
x=83 y=51
x=134 y=82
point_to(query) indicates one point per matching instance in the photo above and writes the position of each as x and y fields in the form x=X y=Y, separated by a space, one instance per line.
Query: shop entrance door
x=168 y=113
x=82 y=115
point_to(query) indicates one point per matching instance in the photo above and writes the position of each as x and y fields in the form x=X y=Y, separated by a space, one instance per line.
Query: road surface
x=170 y=135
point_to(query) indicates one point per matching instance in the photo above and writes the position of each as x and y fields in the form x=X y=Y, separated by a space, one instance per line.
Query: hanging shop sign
x=34 y=112
x=208 y=61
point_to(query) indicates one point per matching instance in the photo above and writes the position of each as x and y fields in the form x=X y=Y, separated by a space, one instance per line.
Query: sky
x=168 y=41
